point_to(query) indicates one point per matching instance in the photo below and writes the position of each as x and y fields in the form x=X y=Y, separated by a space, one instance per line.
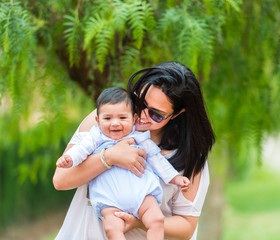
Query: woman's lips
x=141 y=122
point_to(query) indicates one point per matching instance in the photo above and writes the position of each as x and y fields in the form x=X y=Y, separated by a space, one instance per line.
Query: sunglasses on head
x=154 y=114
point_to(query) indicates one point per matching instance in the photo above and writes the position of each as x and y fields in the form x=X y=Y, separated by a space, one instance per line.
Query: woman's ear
x=174 y=116
x=134 y=117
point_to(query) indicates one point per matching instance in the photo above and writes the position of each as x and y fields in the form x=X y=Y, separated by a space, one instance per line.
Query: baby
x=119 y=189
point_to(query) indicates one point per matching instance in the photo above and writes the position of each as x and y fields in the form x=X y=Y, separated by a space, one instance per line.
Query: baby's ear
x=96 y=118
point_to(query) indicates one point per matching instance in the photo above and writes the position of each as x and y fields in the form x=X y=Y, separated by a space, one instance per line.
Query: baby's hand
x=64 y=161
x=181 y=181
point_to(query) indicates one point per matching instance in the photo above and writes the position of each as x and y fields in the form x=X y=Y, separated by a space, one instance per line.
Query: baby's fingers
x=67 y=159
x=186 y=181
x=184 y=189
x=59 y=163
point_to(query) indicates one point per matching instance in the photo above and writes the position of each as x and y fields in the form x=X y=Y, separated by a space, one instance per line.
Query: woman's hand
x=125 y=156
x=130 y=221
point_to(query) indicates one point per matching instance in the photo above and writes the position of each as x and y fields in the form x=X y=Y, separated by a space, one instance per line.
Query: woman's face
x=157 y=100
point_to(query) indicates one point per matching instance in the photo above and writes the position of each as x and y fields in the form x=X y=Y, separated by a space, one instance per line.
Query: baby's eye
x=123 y=117
x=107 y=118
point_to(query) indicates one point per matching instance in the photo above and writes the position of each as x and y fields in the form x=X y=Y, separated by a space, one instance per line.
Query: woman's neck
x=156 y=136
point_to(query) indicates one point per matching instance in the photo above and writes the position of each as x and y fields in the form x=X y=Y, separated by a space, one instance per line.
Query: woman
x=170 y=104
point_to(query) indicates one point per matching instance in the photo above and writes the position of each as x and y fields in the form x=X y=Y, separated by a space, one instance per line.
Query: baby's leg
x=152 y=218
x=113 y=226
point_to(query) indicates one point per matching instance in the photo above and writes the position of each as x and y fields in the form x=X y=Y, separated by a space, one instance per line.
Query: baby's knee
x=112 y=231
x=156 y=220
x=113 y=226
x=109 y=229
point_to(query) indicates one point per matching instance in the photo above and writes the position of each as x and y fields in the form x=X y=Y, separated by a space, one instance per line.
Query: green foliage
x=242 y=93
x=72 y=34
x=116 y=18
x=190 y=36
x=17 y=45
x=37 y=106
x=45 y=46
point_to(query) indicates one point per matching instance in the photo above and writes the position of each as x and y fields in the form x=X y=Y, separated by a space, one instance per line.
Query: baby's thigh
x=150 y=211
x=110 y=221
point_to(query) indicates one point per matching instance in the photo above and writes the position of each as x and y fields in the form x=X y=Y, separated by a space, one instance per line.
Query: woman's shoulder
x=88 y=122
x=167 y=153
x=191 y=202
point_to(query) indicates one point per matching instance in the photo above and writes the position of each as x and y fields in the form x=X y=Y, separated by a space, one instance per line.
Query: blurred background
x=56 y=57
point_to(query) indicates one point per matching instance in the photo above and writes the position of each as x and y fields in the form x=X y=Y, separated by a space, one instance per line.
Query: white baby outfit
x=118 y=187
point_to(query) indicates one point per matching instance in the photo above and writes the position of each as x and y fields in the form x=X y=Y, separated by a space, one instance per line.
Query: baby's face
x=115 y=120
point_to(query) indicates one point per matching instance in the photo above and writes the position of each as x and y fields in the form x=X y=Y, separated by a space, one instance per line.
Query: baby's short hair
x=114 y=95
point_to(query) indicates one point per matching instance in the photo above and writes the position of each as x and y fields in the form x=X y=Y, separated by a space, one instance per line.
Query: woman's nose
x=144 y=113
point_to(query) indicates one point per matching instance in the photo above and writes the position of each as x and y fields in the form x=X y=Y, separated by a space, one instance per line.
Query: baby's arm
x=167 y=172
x=159 y=163
x=78 y=153
x=181 y=181
x=162 y=166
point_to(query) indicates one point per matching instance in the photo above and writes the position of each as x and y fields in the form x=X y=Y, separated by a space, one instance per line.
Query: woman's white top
x=81 y=222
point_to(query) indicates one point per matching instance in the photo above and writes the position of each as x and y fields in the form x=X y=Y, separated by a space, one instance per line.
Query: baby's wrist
x=173 y=180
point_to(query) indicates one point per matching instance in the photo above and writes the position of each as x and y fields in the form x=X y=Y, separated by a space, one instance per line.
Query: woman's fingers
x=129 y=141
x=136 y=172
x=124 y=216
x=130 y=220
x=138 y=167
x=141 y=165
x=143 y=156
x=125 y=156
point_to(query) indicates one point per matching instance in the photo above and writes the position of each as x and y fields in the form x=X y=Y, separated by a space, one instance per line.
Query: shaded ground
x=44 y=228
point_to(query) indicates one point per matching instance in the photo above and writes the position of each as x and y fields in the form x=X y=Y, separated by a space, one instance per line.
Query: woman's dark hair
x=114 y=95
x=190 y=132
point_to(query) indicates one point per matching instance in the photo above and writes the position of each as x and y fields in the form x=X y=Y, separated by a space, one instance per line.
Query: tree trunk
x=211 y=220
x=210 y=223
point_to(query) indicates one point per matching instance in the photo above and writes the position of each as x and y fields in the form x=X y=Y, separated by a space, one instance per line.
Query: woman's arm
x=69 y=178
x=180 y=226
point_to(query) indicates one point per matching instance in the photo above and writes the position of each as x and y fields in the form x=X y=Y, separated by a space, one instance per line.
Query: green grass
x=253 y=207
x=51 y=237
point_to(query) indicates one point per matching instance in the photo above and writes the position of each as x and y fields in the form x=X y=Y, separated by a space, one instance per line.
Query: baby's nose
x=115 y=123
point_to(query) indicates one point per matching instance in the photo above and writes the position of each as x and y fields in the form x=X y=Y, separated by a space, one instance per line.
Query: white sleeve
x=85 y=147
x=159 y=163
x=162 y=167
x=78 y=136
x=183 y=206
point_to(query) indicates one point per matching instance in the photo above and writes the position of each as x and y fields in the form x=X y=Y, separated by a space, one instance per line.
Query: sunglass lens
x=155 y=116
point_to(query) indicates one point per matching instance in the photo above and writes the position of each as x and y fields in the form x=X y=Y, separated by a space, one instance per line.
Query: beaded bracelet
x=103 y=159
